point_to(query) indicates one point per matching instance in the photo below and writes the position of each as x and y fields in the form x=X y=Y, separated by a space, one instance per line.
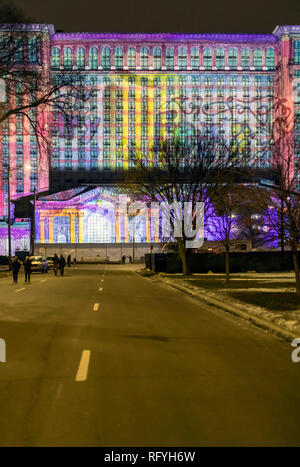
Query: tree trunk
x=296 y=269
x=183 y=256
x=281 y=228
x=281 y=237
x=227 y=264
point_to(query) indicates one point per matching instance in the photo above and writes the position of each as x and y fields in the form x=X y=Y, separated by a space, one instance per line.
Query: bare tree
x=175 y=173
x=224 y=222
x=254 y=210
x=239 y=213
x=285 y=198
x=30 y=89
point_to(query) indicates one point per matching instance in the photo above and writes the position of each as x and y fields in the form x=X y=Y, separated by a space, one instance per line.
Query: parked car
x=37 y=263
x=50 y=261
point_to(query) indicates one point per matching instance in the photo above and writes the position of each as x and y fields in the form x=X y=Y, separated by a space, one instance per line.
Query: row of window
x=19 y=51
x=144 y=58
x=187 y=79
x=297 y=52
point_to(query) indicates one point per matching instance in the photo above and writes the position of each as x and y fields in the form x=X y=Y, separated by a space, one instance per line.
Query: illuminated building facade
x=143 y=88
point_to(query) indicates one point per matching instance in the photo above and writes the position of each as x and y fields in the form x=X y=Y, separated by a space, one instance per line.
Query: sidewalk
x=266 y=299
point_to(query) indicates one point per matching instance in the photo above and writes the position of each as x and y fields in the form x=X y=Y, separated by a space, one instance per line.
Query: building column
x=80 y=227
x=126 y=230
x=117 y=218
x=155 y=223
x=50 y=220
x=72 y=227
x=42 y=229
x=148 y=226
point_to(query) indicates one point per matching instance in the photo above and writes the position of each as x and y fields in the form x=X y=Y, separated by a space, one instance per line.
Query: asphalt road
x=105 y=357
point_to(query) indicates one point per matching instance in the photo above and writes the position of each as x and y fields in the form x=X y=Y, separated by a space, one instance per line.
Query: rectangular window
x=297 y=52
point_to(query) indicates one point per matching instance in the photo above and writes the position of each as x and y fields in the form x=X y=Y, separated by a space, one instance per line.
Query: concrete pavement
x=161 y=369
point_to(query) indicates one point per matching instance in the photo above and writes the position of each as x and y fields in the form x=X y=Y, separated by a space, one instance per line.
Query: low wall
x=260 y=261
x=93 y=252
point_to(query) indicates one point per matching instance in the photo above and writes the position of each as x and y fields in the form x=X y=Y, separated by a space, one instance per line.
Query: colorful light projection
x=92 y=217
x=20 y=237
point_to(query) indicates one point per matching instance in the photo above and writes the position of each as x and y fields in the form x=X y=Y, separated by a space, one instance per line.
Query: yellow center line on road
x=83 y=368
x=19 y=290
x=96 y=307
x=43 y=280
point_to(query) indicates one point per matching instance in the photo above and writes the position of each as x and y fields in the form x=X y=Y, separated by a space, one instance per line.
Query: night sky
x=163 y=15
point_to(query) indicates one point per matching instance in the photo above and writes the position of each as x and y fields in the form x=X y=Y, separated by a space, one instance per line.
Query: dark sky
x=164 y=15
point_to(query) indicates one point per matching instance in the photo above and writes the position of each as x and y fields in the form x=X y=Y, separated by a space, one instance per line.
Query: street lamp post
x=133 y=230
x=33 y=224
x=9 y=221
x=133 y=239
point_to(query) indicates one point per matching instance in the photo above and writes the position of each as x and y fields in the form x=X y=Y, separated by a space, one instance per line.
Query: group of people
x=16 y=265
x=124 y=259
x=59 y=263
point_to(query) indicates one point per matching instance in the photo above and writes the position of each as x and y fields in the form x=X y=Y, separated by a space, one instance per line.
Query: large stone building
x=142 y=87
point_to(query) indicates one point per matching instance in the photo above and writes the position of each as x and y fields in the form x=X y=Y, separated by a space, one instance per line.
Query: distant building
x=144 y=87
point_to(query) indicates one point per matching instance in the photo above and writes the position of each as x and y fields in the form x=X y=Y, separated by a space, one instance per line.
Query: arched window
x=220 y=58
x=32 y=50
x=297 y=52
x=131 y=57
x=270 y=57
x=55 y=57
x=80 y=57
x=4 y=49
x=19 y=51
x=232 y=58
x=4 y=246
x=68 y=58
x=245 y=58
x=257 y=59
x=61 y=229
x=144 y=58
x=207 y=58
x=93 y=58
x=195 y=58
x=105 y=58
x=25 y=243
x=156 y=53
x=119 y=57
x=170 y=58
x=182 y=58
x=137 y=226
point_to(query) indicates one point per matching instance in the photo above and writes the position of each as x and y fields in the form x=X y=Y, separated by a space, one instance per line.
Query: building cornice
x=286 y=30
x=168 y=37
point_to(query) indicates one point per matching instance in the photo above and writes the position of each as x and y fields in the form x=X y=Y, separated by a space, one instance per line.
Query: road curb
x=262 y=323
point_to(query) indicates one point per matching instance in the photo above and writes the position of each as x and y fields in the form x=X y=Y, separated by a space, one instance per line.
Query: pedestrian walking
x=15 y=268
x=123 y=259
x=27 y=269
x=69 y=261
x=62 y=264
x=55 y=264
x=45 y=266
x=130 y=259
